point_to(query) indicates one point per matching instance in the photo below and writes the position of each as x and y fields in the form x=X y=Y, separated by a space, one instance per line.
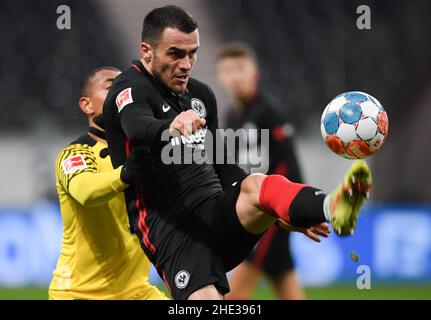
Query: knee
x=252 y=184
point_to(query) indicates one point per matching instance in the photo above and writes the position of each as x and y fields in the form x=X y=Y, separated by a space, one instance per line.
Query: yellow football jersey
x=99 y=257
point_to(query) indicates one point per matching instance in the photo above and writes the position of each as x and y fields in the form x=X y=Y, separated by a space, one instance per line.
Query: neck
x=98 y=134
x=147 y=66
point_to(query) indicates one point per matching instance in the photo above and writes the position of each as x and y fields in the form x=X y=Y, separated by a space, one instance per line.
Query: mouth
x=182 y=78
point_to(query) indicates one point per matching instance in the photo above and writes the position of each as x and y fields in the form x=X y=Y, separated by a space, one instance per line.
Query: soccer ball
x=354 y=125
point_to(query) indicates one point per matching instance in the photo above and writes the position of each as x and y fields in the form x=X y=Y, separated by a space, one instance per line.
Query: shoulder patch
x=73 y=163
x=124 y=98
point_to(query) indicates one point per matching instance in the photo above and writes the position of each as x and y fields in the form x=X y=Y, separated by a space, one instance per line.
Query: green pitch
x=349 y=292
x=339 y=292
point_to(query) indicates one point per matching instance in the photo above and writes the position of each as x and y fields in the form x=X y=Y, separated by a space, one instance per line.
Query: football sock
x=297 y=204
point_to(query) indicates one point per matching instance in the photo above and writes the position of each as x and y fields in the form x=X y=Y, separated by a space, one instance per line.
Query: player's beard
x=165 y=75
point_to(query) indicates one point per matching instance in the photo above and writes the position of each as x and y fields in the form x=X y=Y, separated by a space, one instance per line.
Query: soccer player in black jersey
x=197 y=220
x=238 y=73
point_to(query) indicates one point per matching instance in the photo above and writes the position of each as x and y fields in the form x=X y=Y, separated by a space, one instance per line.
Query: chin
x=178 y=88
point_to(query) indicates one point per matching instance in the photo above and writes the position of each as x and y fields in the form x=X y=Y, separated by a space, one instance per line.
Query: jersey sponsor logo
x=166 y=107
x=196 y=140
x=182 y=279
x=199 y=108
x=74 y=163
x=124 y=98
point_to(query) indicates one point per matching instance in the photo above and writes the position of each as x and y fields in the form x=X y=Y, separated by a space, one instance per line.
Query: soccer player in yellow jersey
x=99 y=257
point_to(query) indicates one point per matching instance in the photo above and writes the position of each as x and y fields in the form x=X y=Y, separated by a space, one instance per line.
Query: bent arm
x=141 y=127
x=92 y=189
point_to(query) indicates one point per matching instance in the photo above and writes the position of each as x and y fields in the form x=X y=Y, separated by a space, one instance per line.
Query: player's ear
x=86 y=105
x=146 y=52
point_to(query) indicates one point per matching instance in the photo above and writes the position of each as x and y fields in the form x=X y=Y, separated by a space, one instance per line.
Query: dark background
x=309 y=51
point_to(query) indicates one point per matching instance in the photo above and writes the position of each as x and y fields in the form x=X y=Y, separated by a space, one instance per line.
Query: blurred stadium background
x=309 y=52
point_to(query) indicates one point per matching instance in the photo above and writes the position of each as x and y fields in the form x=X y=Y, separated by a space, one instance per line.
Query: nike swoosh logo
x=234 y=184
x=316 y=193
x=166 y=108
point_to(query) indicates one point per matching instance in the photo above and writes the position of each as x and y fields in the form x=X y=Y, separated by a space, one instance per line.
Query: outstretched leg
x=265 y=199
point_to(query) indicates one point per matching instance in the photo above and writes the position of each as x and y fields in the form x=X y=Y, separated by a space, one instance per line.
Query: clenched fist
x=186 y=123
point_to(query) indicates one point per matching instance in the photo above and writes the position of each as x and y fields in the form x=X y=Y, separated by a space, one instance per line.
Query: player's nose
x=185 y=64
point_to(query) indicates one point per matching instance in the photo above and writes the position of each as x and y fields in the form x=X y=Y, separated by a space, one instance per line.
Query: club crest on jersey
x=124 y=98
x=199 y=108
x=182 y=279
x=74 y=163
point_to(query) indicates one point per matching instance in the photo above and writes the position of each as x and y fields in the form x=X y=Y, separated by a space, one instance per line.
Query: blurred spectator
x=238 y=73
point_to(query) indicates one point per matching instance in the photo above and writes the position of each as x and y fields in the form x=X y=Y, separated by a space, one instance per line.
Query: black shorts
x=272 y=254
x=211 y=243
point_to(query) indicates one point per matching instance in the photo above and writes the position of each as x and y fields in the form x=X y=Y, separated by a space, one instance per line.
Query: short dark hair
x=86 y=81
x=166 y=17
x=237 y=50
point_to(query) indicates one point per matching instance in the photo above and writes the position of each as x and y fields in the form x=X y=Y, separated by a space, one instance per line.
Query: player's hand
x=314 y=232
x=139 y=166
x=186 y=123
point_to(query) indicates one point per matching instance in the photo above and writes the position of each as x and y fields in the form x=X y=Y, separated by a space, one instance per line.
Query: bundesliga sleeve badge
x=124 y=98
x=74 y=163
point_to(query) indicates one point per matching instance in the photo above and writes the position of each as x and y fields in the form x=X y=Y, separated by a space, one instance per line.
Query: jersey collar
x=98 y=133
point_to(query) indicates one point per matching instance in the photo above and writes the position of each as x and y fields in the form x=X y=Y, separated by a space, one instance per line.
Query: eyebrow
x=182 y=50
